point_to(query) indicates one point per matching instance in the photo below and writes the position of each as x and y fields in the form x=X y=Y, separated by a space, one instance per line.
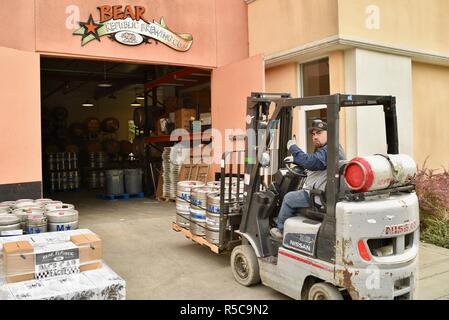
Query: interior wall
x=20 y=124
x=431 y=113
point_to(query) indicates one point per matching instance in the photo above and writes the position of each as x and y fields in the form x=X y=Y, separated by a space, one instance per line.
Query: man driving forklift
x=315 y=164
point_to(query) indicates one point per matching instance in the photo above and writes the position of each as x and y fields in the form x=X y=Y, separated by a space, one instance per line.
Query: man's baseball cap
x=318 y=125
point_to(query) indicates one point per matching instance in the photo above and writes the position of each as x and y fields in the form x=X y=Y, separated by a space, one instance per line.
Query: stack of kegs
x=166 y=172
x=36 y=216
x=96 y=177
x=183 y=200
x=198 y=207
x=213 y=215
x=63 y=171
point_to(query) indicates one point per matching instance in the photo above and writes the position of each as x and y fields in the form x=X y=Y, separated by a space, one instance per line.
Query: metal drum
x=114 y=182
x=133 y=180
x=213 y=216
x=59 y=206
x=36 y=223
x=4 y=208
x=24 y=213
x=62 y=226
x=10 y=225
x=183 y=201
x=27 y=204
x=198 y=209
x=62 y=216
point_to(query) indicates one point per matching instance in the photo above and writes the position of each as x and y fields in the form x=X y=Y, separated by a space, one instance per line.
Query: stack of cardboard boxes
x=53 y=263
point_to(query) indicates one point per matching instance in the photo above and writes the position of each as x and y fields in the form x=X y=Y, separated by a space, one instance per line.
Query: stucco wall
x=279 y=25
x=20 y=138
x=415 y=24
x=431 y=114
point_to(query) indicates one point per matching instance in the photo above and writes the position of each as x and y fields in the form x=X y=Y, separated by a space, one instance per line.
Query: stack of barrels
x=63 y=171
x=36 y=216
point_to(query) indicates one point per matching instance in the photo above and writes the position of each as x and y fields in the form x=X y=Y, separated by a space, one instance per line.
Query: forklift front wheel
x=245 y=266
x=324 y=291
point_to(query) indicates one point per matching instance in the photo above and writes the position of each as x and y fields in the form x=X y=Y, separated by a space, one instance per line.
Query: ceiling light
x=135 y=103
x=140 y=97
x=87 y=104
x=104 y=84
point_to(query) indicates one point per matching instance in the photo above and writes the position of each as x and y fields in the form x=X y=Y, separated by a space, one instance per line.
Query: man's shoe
x=276 y=233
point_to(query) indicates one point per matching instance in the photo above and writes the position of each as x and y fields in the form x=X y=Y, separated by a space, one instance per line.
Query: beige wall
x=416 y=24
x=18 y=25
x=431 y=114
x=279 y=25
x=20 y=138
x=337 y=85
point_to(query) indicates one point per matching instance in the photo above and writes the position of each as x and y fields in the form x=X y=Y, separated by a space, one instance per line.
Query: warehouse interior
x=95 y=119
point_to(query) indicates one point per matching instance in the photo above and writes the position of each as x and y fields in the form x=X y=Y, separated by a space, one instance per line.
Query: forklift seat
x=317 y=211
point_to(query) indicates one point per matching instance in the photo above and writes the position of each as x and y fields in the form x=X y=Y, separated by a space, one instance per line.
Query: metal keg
x=101 y=179
x=10 y=225
x=25 y=212
x=43 y=201
x=64 y=181
x=198 y=209
x=4 y=208
x=92 y=162
x=60 y=158
x=183 y=201
x=62 y=226
x=24 y=200
x=70 y=180
x=76 y=180
x=9 y=203
x=62 y=216
x=213 y=216
x=27 y=204
x=36 y=223
x=59 y=206
x=58 y=180
x=51 y=161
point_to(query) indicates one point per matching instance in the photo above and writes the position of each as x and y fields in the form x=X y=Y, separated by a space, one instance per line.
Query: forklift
x=341 y=247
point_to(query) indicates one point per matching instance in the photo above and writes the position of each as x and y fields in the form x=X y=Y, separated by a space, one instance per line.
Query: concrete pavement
x=158 y=263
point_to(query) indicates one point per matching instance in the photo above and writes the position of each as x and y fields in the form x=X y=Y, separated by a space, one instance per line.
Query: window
x=315 y=82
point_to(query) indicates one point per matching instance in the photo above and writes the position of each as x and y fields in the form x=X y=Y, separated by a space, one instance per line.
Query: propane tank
x=379 y=172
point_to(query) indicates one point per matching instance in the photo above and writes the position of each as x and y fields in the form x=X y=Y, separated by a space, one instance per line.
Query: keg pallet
x=124 y=196
x=199 y=240
x=162 y=199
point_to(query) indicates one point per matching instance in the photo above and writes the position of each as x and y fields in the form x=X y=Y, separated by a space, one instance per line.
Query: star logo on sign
x=91 y=28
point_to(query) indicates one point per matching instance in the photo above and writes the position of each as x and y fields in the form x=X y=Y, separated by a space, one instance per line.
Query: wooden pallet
x=162 y=199
x=199 y=240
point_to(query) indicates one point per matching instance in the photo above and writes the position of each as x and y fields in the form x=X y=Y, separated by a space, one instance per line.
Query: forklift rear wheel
x=245 y=266
x=324 y=291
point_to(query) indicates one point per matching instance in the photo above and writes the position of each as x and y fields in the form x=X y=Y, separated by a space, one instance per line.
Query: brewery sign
x=128 y=25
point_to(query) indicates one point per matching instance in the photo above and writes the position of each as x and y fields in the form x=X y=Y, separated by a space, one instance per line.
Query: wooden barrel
x=126 y=147
x=111 y=146
x=92 y=125
x=138 y=146
x=76 y=129
x=139 y=117
x=72 y=148
x=60 y=113
x=93 y=146
x=110 y=125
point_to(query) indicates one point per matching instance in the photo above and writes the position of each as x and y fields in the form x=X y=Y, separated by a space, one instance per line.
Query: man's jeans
x=292 y=201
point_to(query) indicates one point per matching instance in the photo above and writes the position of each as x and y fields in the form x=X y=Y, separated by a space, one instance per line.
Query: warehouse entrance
x=99 y=117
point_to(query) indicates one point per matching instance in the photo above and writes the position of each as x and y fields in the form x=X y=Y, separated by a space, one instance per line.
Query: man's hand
x=290 y=143
x=288 y=159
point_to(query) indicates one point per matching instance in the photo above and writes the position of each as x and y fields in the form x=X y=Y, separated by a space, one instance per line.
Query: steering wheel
x=294 y=168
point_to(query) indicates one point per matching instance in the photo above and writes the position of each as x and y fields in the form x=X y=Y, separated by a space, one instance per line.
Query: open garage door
x=20 y=159
x=231 y=85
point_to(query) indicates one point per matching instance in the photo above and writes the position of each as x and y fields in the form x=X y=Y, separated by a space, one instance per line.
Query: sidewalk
x=433 y=273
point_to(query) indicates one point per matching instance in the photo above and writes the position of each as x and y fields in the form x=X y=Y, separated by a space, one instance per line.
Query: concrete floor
x=158 y=263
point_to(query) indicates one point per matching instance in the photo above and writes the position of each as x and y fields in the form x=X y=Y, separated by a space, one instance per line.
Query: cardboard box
x=90 y=250
x=183 y=117
x=18 y=261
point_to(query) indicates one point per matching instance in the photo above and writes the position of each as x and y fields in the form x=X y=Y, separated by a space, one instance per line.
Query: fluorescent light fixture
x=104 y=84
x=140 y=97
x=87 y=104
x=135 y=103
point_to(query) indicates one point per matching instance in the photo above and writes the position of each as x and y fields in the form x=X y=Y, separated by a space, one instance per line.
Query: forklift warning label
x=301 y=242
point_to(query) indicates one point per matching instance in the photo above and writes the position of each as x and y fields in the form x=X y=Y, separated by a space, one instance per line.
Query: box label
x=57 y=259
